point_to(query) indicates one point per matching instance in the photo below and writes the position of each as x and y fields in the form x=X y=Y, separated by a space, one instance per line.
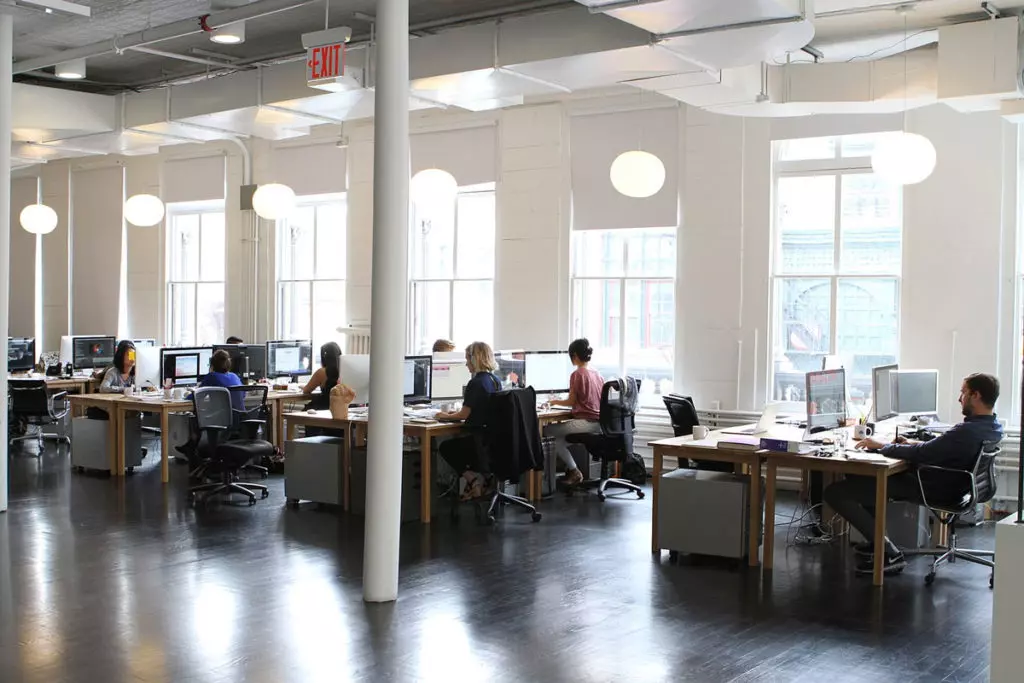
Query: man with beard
x=957 y=448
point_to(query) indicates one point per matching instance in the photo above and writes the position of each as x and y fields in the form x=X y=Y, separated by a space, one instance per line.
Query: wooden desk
x=277 y=400
x=707 y=449
x=81 y=385
x=535 y=482
x=154 y=405
x=426 y=432
x=878 y=468
x=107 y=403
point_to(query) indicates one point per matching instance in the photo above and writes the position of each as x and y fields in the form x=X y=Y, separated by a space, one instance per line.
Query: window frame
x=175 y=212
x=464 y=191
x=624 y=281
x=838 y=167
x=313 y=201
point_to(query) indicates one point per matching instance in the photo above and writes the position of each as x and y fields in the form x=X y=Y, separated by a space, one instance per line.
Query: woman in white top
x=122 y=373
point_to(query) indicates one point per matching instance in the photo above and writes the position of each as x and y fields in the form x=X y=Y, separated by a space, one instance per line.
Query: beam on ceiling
x=176 y=29
x=220 y=63
x=619 y=4
x=729 y=27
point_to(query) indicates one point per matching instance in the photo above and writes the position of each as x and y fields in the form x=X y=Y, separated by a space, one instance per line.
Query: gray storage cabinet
x=703 y=513
x=312 y=470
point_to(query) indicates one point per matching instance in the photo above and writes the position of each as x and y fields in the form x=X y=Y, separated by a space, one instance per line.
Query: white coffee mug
x=168 y=394
x=700 y=432
x=862 y=431
x=129 y=390
x=179 y=394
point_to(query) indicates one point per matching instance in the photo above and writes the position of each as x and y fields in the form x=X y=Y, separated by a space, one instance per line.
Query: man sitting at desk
x=957 y=448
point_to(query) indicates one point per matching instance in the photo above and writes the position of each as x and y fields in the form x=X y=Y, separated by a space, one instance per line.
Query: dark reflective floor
x=112 y=584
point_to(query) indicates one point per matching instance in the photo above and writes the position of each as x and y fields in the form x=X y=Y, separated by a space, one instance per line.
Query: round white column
x=6 y=60
x=387 y=311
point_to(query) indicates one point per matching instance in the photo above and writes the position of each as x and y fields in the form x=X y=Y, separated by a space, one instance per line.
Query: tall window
x=623 y=301
x=451 y=265
x=195 y=276
x=311 y=253
x=837 y=261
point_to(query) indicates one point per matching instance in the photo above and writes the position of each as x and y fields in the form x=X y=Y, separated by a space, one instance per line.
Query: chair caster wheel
x=929 y=579
x=640 y=495
x=252 y=501
x=601 y=497
x=536 y=517
x=490 y=520
x=131 y=471
x=265 y=494
x=991 y=580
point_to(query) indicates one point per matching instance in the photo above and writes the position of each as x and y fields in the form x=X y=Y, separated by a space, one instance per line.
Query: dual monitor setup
x=292 y=358
x=894 y=392
x=82 y=352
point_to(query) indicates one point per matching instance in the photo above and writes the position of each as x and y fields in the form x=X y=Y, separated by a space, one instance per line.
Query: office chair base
x=229 y=487
x=500 y=500
x=602 y=486
x=258 y=469
x=949 y=555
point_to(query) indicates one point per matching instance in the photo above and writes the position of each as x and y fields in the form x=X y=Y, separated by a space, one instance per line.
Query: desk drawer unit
x=312 y=470
x=703 y=513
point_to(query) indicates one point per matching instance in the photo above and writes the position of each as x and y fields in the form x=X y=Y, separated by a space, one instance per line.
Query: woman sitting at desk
x=585 y=400
x=325 y=377
x=461 y=452
x=122 y=373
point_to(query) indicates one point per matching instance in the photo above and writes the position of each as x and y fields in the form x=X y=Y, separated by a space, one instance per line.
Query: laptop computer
x=764 y=423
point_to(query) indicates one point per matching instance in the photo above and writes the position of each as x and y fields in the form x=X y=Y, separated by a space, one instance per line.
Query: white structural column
x=6 y=59
x=387 y=306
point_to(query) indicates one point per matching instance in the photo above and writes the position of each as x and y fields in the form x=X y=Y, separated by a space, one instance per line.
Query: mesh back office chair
x=619 y=399
x=227 y=456
x=253 y=422
x=948 y=494
x=32 y=404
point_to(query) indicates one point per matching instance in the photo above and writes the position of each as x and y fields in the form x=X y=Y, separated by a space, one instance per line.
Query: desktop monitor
x=354 y=371
x=184 y=367
x=548 y=371
x=91 y=353
x=21 y=354
x=882 y=391
x=248 y=361
x=416 y=379
x=826 y=399
x=147 y=366
x=915 y=391
x=289 y=358
x=511 y=369
x=448 y=376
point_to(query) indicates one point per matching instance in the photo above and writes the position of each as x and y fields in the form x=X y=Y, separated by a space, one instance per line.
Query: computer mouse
x=311 y=412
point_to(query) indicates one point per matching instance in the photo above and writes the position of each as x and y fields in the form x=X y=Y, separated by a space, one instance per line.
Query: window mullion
x=837 y=259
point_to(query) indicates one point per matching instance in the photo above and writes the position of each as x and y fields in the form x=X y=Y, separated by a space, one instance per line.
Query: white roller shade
x=595 y=142
x=469 y=154
x=22 y=323
x=97 y=222
x=193 y=180
x=311 y=169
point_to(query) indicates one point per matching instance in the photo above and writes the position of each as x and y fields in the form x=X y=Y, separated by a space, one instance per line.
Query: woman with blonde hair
x=461 y=452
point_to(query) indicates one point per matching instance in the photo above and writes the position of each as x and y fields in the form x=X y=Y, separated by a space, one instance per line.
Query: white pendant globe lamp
x=903 y=158
x=273 y=201
x=144 y=210
x=433 y=186
x=637 y=174
x=38 y=219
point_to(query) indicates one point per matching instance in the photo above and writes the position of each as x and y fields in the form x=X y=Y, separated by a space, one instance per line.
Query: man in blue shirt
x=957 y=448
x=221 y=376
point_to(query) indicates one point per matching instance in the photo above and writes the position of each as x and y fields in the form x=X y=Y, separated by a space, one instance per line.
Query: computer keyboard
x=422 y=413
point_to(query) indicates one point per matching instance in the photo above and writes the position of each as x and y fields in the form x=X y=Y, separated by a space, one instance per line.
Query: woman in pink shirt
x=585 y=400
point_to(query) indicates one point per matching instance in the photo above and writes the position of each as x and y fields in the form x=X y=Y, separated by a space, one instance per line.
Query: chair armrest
x=59 y=396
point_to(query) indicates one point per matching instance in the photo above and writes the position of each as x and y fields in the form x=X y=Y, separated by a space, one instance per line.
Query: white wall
x=959 y=264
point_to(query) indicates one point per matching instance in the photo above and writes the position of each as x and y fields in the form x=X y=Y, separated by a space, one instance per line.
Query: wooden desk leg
x=165 y=446
x=881 y=502
x=754 y=526
x=115 y=446
x=769 y=518
x=425 y=478
x=290 y=434
x=655 y=489
x=279 y=433
x=346 y=468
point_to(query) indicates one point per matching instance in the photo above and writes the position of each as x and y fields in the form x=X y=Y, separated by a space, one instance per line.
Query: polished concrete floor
x=110 y=584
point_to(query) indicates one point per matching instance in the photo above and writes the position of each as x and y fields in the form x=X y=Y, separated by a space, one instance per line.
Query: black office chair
x=948 y=494
x=226 y=456
x=32 y=405
x=619 y=398
x=508 y=446
x=254 y=421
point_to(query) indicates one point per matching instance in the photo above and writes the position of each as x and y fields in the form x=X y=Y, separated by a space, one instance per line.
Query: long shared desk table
x=76 y=384
x=355 y=427
x=750 y=463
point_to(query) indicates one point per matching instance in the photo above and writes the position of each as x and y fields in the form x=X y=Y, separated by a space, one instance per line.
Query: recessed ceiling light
x=71 y=71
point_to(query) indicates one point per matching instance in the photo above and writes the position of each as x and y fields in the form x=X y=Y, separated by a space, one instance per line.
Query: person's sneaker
x=894 y=564
x=573 y=478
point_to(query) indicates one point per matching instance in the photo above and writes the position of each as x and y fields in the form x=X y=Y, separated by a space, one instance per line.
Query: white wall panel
x=97 y=201
x=469 y=154
x=22 y=322
x=193 y=180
